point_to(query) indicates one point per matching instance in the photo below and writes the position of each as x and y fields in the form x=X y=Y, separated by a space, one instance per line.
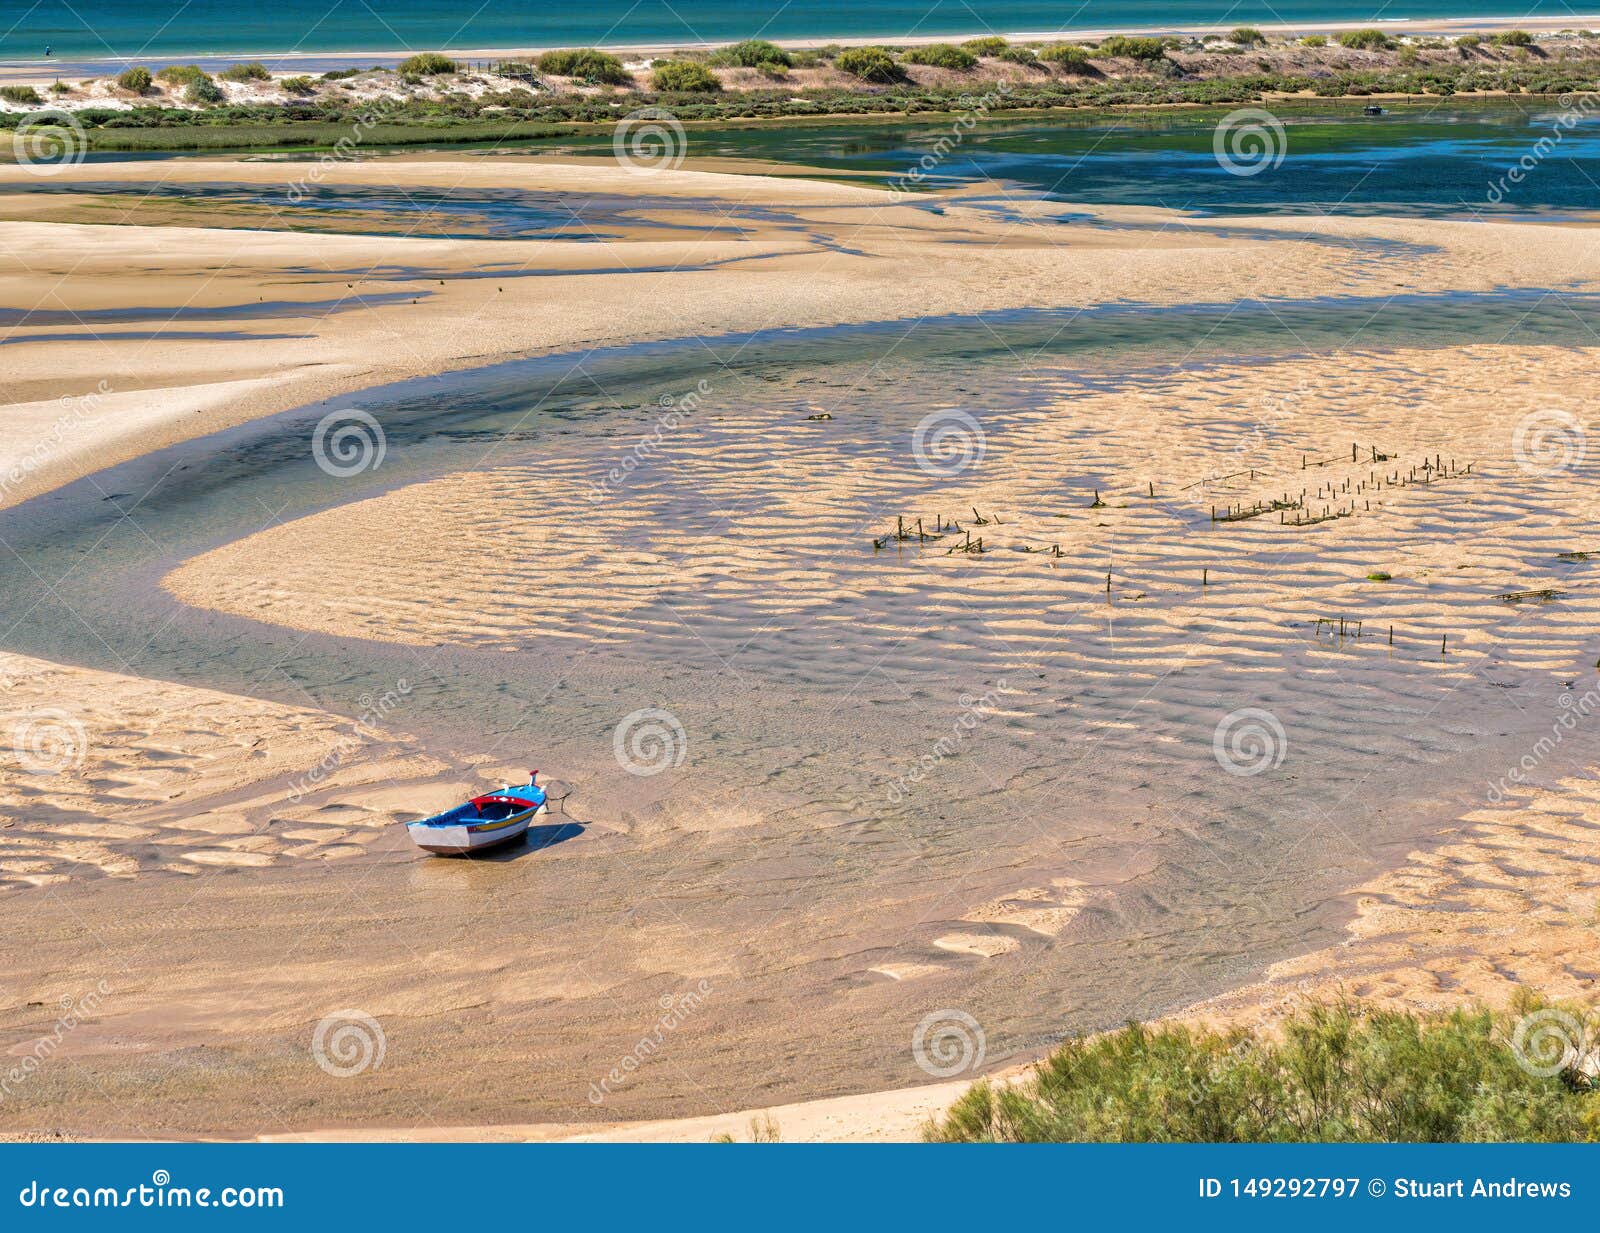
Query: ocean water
x=130 y=29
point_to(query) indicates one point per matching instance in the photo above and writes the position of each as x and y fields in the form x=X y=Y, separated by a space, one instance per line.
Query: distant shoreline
x=40 y=69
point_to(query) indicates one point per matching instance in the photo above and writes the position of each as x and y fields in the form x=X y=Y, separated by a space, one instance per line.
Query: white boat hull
x=475 y=836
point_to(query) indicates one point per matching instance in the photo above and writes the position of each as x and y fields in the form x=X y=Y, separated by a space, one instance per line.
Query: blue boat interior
x=490 y=808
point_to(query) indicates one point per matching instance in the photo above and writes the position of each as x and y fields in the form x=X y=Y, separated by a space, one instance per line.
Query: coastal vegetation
x=753 y=53
x=684 y=77
x=427 y=64
x=988 y=45
x=1367 y=39
x=180 y=74
x=869 y=63
x=585 y=64
x=250 y=70
x=1068 y=55
x=1333 y=1073
x=1132 y=47
x=134 y=80
x=202 y=90
x=943 y=55
x=432 y=98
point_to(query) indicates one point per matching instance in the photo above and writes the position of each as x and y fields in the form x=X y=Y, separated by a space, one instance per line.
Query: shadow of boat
x=534 y=839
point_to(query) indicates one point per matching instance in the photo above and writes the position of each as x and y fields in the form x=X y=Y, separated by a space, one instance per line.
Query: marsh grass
x=1338 y=1073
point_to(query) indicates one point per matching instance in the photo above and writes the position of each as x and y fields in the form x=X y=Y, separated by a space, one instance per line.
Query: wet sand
x=769 y=919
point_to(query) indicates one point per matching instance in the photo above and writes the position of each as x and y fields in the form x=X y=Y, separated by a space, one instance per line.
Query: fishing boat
x=483 y=822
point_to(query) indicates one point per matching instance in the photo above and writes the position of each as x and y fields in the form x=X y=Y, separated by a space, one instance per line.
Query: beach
x=1279 y=584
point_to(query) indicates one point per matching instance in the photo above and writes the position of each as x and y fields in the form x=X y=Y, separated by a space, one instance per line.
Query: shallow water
x=1432 y=159
x=455 y=213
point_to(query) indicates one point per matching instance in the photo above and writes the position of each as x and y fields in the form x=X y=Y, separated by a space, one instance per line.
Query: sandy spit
x=359 y=311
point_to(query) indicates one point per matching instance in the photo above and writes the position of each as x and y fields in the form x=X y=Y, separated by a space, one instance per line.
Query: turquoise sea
x=130 y=29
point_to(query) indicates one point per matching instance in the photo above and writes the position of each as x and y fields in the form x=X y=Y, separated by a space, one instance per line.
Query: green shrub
x=1468 y=42
x=1246 y=36
x=24 y=95
x=134 y=80
x=988 y=45
x=1339 y=1073
x=684 y=77
x=1020 y=55
x=298 y=85
x=753 y=53
x=1368 y=39
x=203 y=90
x=1065 y=54
x=180 y=74
x=868 y=63
x=250 y=70
x=1408 y=55
x=942 y=55
x=60 y=87
x=585 y=63
x=1512 y=38
x=1131 y=47
x=426 y=64
x=1314 y=40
